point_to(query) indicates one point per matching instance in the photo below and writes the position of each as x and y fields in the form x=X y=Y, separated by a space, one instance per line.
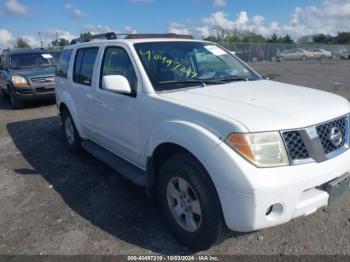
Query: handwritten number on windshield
x=176 y=66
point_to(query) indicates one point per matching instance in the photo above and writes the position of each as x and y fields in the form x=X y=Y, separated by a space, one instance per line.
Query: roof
x=130 y=41
x=18 y=51
x=112 y=37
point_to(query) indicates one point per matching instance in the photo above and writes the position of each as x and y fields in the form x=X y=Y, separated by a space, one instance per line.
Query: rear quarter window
x=63 y=63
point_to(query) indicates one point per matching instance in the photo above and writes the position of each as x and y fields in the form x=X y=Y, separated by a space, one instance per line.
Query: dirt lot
x=53 y=202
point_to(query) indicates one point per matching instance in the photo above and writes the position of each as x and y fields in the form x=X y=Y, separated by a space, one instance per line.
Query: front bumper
x=246 y=193
x=42 y=92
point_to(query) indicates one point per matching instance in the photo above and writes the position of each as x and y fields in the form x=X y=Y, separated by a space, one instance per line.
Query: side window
x=63 y=63
x=84 y=65
x=116 y=61
x=1 y=62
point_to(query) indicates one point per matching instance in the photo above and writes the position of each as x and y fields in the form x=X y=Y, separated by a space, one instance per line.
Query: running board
x=128 y=170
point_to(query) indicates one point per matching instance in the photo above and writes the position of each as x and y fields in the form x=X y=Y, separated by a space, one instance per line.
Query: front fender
x=194 y=138
x=66 y=99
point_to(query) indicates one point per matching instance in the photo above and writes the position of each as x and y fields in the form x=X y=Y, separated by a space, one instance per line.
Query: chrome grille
x=315 y=143
x=295 y=145
x=47 y=79
x=324 y=130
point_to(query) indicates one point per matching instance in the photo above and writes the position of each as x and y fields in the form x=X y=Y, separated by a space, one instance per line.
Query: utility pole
x=41 y=40
x=57 y=43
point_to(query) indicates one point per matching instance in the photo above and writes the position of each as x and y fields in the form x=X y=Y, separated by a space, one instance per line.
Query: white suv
x=219 y=146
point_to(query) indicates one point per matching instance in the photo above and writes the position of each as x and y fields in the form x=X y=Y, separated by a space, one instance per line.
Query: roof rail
x=170 y=35
x=107 y=36
x=113 y=36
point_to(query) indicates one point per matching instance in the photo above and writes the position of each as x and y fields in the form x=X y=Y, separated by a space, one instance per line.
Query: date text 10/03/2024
x=173 y=258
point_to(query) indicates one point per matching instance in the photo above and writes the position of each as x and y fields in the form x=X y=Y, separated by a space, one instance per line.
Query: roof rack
x=107 y=36
x=113 y=36
x=139 y=36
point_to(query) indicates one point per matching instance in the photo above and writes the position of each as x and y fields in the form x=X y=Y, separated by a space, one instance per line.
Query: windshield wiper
x=203 y=82
x=232 y=79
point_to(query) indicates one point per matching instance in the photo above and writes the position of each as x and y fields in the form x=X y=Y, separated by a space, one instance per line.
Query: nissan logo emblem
x=335 y=136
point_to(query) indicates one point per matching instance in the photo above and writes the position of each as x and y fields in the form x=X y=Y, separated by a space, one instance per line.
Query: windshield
x=174 y=65
x=32 y=60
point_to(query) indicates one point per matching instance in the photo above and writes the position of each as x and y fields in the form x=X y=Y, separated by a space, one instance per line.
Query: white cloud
x=5 y=38
x=330 y=17
x=53 y=33
x=176 y=28
x=74 y=12
x=97 y=29
x=15 y=7
x=130 y=30
x=219 y=3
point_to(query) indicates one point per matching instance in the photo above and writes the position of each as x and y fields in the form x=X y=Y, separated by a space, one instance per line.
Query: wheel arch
x=176 y=137
x=67 y=104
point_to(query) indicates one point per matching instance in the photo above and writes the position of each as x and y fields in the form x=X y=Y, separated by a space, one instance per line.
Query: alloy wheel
x=184 y=204
x=69 y=130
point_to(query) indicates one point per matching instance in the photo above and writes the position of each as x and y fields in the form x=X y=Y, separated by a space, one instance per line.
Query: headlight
x=19 y=81
x=262 y=149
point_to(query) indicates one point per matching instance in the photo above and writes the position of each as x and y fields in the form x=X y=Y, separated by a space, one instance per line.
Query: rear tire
x=190 y=203
x=70 y=133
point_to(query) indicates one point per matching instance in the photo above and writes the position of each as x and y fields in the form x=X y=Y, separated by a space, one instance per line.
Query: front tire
x=15 y=103
x=3 y=95
x=70 y=133
x=190 y=203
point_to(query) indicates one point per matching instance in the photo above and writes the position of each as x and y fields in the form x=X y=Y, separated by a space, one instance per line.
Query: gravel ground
x=53 y=202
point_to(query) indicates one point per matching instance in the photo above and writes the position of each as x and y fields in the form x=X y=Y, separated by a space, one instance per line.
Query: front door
x=118 y=120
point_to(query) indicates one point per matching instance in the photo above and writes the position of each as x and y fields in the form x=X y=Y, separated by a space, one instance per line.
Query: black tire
x=304 y=58
x=3 y=95
x=73 y=142
x=15 y=103
x=212 y=229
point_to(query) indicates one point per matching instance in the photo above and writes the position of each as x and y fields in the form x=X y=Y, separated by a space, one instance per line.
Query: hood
x=264 y=105
x=35 y=71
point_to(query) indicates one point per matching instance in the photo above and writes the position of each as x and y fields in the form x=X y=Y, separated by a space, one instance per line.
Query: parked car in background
x=251 y=55
x=218 y=146
x=27 y=74
x=342 y=53
x=294 y=54
x=319 y=53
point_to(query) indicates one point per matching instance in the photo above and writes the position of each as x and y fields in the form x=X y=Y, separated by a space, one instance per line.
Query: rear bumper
x=247 y=193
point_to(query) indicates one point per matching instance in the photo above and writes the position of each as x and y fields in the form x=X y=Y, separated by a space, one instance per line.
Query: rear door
x=82 y=86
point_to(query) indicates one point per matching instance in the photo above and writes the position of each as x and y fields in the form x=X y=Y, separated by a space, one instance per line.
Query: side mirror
x=116 y=84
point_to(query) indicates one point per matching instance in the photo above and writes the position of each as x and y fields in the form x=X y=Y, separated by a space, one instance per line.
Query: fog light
x=269 y=210
x=274 y=212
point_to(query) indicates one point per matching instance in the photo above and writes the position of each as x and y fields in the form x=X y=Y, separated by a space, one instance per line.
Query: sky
x=197 y=17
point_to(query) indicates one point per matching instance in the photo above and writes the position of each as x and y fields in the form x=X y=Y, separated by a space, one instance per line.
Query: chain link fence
x=274 y=52
x=281 y=52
